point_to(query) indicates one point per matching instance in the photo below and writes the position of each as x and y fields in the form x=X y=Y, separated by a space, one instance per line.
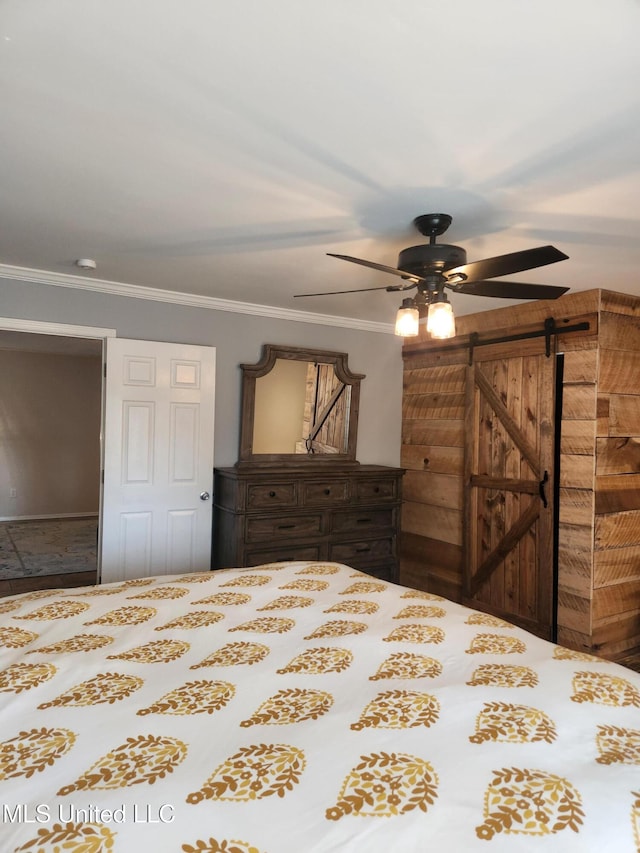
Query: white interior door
x=158 y=459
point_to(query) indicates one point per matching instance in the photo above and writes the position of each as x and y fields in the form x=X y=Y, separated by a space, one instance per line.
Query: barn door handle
x=541 y=486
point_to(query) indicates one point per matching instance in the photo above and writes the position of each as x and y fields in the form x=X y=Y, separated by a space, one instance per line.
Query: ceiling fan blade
x=508 y=289
x=381 y=267
x=507 y=264
x=389 y=287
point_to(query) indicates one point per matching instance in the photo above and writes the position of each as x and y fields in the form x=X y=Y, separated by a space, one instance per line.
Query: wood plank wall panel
x=617 y=493
x=617 y=331
x=577 y=468
x=575 y=639
x=599 y=535
x=579 y=401
x=432 y=454
x=580 y=365
x=431 y=521
x=618 y=530
x=616 y=565
x=573 y=612
x=433 y=489
x=616 y=635
x=576 y=471
x=578 y=438
x=432 y=565
x=622 y=412
x=616 y=573
x=618 y=373
x=619 y=454
x=432 y=457
x=575 y=564
x=576 y=507
x=618 y=598
x=575 y=554
x=440 y=433
x=570 y=309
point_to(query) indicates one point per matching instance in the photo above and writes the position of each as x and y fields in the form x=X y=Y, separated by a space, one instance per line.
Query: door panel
x=183 y=443
x=134 y=550
x=158 y=459
x=182 y=528
x=137 y=442
x=509 y=474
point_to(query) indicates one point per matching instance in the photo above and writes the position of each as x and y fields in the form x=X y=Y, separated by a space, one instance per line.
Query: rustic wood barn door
x=509 y=484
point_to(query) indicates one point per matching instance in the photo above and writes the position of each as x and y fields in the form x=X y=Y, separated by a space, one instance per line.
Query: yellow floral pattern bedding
x=304 y=708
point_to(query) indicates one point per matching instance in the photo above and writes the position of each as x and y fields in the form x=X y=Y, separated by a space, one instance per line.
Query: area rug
x=36 y=548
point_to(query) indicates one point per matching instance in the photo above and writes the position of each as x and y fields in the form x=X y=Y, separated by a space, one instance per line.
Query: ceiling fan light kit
x=407 y=319
x=431 y=267
x=440 y=320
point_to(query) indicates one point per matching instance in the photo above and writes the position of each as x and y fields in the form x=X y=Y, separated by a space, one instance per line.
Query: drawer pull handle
x=327 y=491
x=376 y=489
x=362 y=549
x=272 y=494
x=285 y=526
x=363 y=521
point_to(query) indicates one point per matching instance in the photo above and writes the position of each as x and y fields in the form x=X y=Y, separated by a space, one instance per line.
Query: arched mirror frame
x=252 y=372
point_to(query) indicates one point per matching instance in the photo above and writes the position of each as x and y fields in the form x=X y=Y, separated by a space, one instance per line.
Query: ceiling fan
x=433 y=267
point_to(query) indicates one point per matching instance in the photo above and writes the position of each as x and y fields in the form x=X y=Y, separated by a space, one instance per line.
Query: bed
x=300 y=707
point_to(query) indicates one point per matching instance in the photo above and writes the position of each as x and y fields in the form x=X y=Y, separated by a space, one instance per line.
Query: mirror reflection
x=301 y=407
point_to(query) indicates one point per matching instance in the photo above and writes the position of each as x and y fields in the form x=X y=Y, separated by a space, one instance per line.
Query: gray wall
x=238 y=338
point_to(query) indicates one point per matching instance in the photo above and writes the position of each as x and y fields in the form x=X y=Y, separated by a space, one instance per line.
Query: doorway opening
x=50 y=454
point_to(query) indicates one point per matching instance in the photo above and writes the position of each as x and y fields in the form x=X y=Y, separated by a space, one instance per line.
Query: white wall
x=238 y=339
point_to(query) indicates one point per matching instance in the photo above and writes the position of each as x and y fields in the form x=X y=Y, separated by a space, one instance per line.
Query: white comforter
x=304 y=708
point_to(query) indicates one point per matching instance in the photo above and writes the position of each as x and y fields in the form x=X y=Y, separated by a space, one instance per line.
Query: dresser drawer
x=281 y=555
x=357 y=553
x=363 y=520
x=276 y=527
x=375 y=490
x=326 y=493
x=271 y=495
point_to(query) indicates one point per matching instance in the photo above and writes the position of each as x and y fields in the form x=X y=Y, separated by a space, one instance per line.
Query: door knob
x=204 y=496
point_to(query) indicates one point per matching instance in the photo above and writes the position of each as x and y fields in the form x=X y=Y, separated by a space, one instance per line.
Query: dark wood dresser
x=347 y=515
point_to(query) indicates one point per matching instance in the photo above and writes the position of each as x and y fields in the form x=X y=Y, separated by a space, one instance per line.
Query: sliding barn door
x=509 y=478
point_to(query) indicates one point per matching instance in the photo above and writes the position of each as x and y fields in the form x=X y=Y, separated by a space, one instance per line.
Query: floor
x=19 y=585
x=45 y=554
x=631 y=660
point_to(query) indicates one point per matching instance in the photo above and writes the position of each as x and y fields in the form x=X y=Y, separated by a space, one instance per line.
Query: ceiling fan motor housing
x=437 y=257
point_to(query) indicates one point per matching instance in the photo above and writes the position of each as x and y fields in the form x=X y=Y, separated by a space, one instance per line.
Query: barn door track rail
x=548 y=330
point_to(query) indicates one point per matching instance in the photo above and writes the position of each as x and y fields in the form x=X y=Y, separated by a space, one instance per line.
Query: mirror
x=299 y=405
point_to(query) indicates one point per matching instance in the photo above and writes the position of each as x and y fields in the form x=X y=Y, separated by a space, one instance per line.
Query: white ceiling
x=222 y=148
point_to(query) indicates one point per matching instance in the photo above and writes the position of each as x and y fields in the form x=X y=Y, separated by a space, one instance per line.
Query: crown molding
x=136 y=291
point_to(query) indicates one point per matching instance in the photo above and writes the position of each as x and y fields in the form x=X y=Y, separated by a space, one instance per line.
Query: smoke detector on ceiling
x=86 y=264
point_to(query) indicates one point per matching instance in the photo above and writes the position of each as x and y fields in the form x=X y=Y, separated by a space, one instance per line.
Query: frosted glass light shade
x=440 y=320
x=407 y=320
